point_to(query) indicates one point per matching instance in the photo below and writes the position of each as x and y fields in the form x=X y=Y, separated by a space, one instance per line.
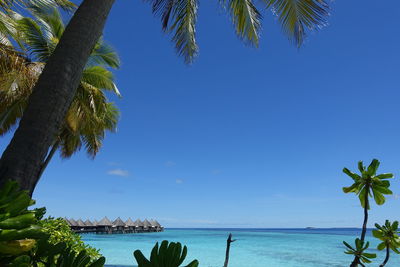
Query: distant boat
x=309 y=227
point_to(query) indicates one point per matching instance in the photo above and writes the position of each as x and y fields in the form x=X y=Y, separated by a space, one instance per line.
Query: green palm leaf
x=297 y=16
x=35 y=39
x=247 y=20
x=184 y=14
x=100 y=77
x=179 y=17
x=104 y=55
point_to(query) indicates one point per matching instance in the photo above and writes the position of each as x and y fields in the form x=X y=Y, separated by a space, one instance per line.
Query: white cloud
x=179 y=181
x=118 y=172
x=169 y=163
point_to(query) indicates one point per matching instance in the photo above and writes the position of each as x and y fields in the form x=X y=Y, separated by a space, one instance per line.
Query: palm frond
x=179 y=17
x=6 y=4
x=104 y=55
x=35 y=39
x=7 y=29
x=66 y=5
x=17 y=78
x=297 y=16
x=184 y=14
x=101 y=78
x=49 y=4
x=51 y=21
x=70 y=143
x=247 y=20
x=10 y=116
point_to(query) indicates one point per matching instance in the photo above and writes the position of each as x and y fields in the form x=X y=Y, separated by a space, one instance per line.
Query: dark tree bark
x=387 y=256
x=228 y=247
x=52 y=95
x=356 y=260
x=46 y=162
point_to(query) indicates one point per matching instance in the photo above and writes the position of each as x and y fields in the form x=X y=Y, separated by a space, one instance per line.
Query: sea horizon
x=255 y=247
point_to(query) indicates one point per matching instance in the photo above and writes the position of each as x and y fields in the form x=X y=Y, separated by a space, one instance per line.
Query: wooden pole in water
x=228 y=246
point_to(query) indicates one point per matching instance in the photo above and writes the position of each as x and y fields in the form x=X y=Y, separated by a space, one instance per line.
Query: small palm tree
x=368 y=183
x=358 y=251
x=388 y=234
x=89 y=115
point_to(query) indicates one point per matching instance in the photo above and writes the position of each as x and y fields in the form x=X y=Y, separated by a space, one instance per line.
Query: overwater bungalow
x=118 y=226
x=80 y=225
x=139 y=226
x=89 y=226
x=74 y=224
x=159 y=227
x=129 y=226
x=104 y=226
x=153 y=227
x=146 y=226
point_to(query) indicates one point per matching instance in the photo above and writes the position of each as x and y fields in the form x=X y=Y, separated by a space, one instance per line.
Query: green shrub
x=167 y=255
x=27 y=242
x=59 y=231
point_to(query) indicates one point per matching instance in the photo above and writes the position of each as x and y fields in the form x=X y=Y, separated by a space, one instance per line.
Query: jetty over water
x=118 y=226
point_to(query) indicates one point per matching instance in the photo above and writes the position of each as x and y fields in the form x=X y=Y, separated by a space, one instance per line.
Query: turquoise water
x=253 y=248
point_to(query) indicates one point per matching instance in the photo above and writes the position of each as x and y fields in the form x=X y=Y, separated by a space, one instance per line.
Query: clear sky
x=244 y=137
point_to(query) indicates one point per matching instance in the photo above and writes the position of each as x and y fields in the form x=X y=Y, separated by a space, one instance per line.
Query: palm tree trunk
x=52 y=95
x=387 y=256
x=47 y=161
x=356 y=260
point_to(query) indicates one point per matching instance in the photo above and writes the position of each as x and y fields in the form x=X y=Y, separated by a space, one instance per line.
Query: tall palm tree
x=89 y=115
x=47 y=107
x=389 y=235
x=367 y=184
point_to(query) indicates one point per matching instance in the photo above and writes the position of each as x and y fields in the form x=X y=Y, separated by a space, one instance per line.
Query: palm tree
x=368 y=183
x=388 y=234
x=89 y=115
x=47 y=106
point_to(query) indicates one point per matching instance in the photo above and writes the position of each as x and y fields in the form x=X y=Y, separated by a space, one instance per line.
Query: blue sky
x=244 y=137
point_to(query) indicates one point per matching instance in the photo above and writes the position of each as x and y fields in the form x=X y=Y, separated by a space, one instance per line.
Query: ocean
x=253 y=248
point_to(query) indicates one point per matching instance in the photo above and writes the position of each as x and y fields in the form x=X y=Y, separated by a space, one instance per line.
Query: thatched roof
x=105 y=222
x=118 y=222
x=157 y=223
x=80 y=223
x=153 y=223
x=129 y=222
x=95 y=223
x=138 y=223
x=146 y=223
x=88 y=223
x=72 y=222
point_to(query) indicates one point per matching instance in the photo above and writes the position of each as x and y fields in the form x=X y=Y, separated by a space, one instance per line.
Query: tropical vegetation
x=60 y=232
x=388 y=234
x=168 y=254
x=90 y=113
x=26 y=241
x=47 y=107
x=368 y=184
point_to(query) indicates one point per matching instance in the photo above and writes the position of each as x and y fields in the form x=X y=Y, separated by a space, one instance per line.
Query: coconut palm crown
x=90 y=113
x=389 y=235
x=368 y=183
